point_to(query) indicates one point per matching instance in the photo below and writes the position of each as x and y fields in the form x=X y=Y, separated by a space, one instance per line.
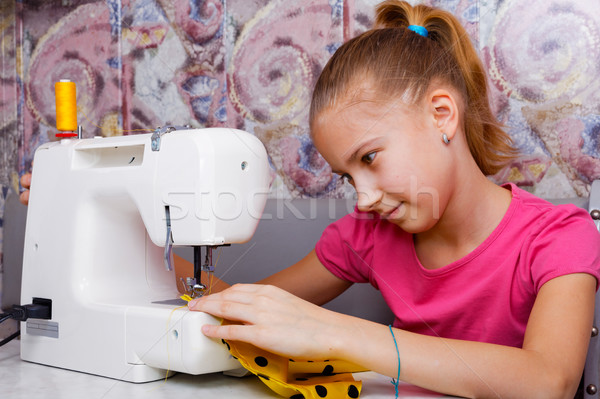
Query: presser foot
x=193 y=288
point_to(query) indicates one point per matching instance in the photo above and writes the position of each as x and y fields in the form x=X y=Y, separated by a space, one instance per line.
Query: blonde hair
x=401 y=63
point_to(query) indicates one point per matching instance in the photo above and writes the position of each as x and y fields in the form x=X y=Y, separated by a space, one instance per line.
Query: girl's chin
x=408 y=221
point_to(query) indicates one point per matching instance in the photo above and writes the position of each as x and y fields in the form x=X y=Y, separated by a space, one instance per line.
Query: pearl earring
x=445 y=138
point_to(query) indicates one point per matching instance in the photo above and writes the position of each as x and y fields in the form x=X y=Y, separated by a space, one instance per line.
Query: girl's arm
x=307 y=279
x=549 y=365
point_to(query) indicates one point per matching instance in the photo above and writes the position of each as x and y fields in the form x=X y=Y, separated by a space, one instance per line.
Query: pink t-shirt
x=486 y=296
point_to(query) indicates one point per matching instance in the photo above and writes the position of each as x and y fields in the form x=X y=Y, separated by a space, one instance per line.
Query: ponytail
x=400 y=61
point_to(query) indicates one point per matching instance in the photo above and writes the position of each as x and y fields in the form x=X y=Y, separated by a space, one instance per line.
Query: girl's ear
x=444 y=111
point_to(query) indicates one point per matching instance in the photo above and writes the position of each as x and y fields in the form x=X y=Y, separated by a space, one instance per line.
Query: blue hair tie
x=419 y=29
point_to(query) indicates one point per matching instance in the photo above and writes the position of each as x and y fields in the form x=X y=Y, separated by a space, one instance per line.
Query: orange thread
x=65 y=94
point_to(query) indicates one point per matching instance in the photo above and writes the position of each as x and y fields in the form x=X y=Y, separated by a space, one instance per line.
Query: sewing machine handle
x=594 y=204
x=169 y=241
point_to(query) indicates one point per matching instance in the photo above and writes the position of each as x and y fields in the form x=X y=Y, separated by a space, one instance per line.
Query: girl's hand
x=25 y=183
x=274 y=320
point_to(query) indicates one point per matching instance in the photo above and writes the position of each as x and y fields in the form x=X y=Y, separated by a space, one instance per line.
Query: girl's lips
x=394 y=213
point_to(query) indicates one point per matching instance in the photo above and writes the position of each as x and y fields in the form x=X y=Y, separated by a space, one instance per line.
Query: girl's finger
x=241 y=293
x=227 y=310
x=224 y=296
x=26 y=180
x=232 y=332
x=24 y=197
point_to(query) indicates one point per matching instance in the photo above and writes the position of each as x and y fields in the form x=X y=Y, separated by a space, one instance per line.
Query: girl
x=493 y=289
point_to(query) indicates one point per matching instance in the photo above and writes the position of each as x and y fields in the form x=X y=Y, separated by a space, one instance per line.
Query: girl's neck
x=475 y=209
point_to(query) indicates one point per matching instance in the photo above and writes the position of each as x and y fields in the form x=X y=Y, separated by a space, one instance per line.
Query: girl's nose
x=368 y=196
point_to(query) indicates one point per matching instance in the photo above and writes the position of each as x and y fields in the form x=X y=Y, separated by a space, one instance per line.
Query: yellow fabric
x=298 y=379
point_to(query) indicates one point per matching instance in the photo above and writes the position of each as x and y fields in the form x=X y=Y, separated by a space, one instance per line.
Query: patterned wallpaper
x=250 y=64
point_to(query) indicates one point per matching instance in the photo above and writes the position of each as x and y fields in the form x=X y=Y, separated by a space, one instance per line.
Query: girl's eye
x=369 y=158
x=347 y=177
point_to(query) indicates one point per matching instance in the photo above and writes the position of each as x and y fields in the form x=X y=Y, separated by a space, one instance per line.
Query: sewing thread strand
x=104 y=128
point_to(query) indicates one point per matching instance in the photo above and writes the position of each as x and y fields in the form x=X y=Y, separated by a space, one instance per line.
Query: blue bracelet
x=397 y=380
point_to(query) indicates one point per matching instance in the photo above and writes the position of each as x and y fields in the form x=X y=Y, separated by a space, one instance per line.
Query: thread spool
x=66 y=108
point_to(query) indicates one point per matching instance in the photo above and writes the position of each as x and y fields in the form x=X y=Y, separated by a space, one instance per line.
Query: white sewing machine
x=102 y=218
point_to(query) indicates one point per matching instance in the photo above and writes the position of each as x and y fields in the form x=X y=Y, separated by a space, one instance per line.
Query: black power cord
x=34 y=311
x=10 y=338
x=5 y=316
x=40 y=309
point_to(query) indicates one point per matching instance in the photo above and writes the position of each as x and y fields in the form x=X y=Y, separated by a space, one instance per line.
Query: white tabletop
x=20 y=379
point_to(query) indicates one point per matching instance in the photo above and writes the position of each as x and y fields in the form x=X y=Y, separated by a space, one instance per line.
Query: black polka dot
x=261 y=361
x=225 y=342
x=264 y=377
x=352 y=391
x=328 y=370
x=297 y=396
x=321 y=391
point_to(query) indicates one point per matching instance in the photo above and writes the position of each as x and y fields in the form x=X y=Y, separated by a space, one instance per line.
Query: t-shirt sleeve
x=566 y=241
x=346 y=247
